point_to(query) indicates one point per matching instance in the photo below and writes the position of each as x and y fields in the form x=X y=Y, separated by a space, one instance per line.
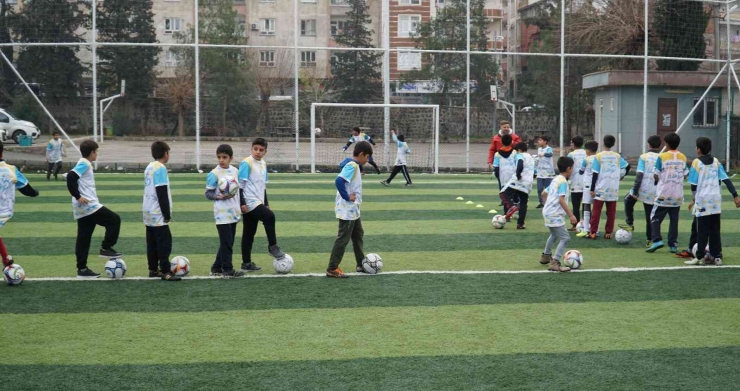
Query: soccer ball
x=317 y=130
x=180 y=266
x=372 y=263
x=115 y=268
x=696 y=248
x=14 y=274
x=579 y=227
x=623 y=236
x=498 y=221
x=573 y=259
x=228 y=185
x=284 y=265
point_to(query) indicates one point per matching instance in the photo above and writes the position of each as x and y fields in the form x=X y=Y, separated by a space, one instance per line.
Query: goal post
x=386 y=132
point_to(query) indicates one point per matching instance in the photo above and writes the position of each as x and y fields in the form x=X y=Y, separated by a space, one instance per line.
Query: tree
x=179 y=92
x=315 y=89
x=127 y=21
x=6 y=73
x=271 y=78
x=680 y=26
x=448 y=70
x=357 y=73
x=57 y=69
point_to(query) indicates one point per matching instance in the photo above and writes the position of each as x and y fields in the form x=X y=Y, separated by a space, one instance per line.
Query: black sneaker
x=360 y=269
x=171 y=277
x=409 y=185
x=87 y=273
x=109 y=253
x=233 y=273
x=250 y=267
x=385 y=183
x=216 y=271
x=276 y=252
x=540 y=206
x=155 y=274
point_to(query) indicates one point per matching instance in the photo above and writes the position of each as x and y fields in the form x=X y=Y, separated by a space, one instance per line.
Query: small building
x=618 y=106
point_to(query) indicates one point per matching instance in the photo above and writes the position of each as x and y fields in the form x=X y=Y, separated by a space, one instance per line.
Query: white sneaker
x=693 y=261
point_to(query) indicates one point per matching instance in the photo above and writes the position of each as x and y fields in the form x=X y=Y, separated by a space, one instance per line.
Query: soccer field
x=647 y=329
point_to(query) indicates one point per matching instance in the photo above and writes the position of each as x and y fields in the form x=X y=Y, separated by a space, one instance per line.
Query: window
x=337 y=26
x=308 y=27
x=340 y=3
x=267 y=26
x=267 y=58
x=409 y=2
x=171 y=59
x=171 y=25
x=308 y=59
x=408 y=60
x=706 y=115
x=241 y=24
x=408 y=24
x=4 y=118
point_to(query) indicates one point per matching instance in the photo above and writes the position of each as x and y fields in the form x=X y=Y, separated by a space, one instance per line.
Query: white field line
x=403 y=272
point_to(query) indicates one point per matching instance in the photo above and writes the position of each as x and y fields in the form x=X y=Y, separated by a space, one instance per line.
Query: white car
x=15 y=127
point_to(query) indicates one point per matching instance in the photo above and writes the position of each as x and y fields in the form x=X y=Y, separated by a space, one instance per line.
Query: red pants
x=611 y=215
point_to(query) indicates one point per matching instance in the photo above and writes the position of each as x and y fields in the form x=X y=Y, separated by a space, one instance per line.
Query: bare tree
x=273 y=74
x=315 y=88
x=178 y=89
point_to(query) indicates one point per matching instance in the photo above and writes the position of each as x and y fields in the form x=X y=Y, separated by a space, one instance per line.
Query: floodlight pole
x=109 y=100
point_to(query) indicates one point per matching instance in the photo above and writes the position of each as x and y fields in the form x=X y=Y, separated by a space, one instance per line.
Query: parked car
x=14 y=127
x=2 y=135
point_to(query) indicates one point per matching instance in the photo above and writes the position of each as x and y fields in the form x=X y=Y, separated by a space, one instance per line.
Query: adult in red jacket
x=496 y=144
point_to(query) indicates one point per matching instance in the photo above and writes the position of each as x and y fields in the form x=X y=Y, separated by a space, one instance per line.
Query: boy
x=605 y=178
x=226 y=211
x=545 y=168
x=157 y=207
x=54 y=153
x=587 y=173
x=670 y=171
x=556 y=205
x=403 y=150
x=358 y=136
x=504 y=165
x=704 y=176
x=89 y=212
x=255 y=207
x=643 y=189
x=10 y=179
x=347 y=209
x=515 y=193
x=576 y=180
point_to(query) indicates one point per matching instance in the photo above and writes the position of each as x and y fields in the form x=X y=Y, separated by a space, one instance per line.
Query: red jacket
x=496 y=144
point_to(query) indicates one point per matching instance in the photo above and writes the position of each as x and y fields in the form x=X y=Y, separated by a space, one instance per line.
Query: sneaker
x=555 y=266
x=87 y=273
x=275 y=252
x=655 y=246
x=233 y=273
x=216 y=271
x=591 y=236
x=650 y=243
x=572 y=229
x=109 y=253
x=8 y=261
x=673 y=249
x=627 y=227
x=692 y=261
x=511 y=212
x=336 y=273
x=582 y=234
x=545 y=259
x=717 y=261
x=250 y=267
x=359 y=269
x=155 y=274
x=521 y=226
x=384 y=183
x=608 y=235
x=685 y=254
x=170 y=277
x=540 y=206
x=409 y=185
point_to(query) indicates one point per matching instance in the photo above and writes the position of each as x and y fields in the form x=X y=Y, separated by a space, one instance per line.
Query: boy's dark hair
x=401 y=138
x=356 y=129
x=609 y=141
x=225 y=149
x=673 y=140
x=704 y=144
x=363 y=147
x=506 y=140
x=56 y=132
x=159 y=148
x=544 y=138
x=502 y=123
x=577 y=141
x=521 y=146
x=259 y=141
x=87 y=147
x=654 y=141
x=592 y=146
x=564 y=163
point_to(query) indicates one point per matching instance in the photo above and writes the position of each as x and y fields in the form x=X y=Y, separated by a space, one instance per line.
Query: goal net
x=418 y=123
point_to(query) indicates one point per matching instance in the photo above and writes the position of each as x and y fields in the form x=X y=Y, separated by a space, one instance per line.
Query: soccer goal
x=418 y=123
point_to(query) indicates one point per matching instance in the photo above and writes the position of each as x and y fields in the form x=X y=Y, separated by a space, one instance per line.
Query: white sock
x=587 y=220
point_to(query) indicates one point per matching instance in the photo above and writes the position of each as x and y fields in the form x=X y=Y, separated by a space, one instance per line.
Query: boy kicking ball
x=554 y=210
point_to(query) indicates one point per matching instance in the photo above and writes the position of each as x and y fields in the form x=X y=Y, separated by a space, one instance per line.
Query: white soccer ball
x=498 y=221
x=372 y=263
x=228 y=185
x=573 y=259
x=579 y=227
x=623 y=236
x=696 y=248
x=180 y=266
x=115 y=268
x=14 y=274
x=317 y=130
x=284 y=265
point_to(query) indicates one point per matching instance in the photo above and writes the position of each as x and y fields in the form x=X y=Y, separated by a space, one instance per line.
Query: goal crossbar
x=435 y=109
